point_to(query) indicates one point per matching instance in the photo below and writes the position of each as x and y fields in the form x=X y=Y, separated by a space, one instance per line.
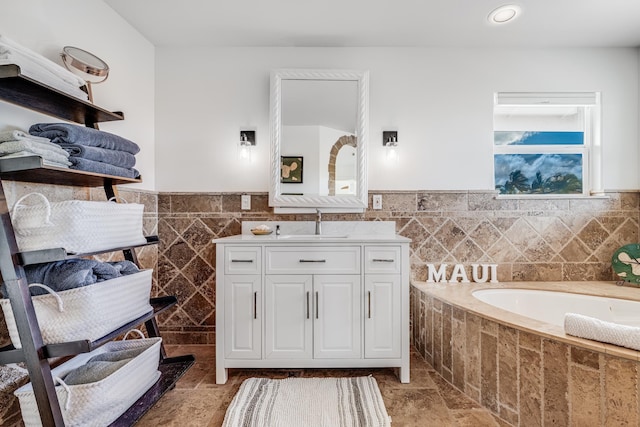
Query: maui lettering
x=480 y=273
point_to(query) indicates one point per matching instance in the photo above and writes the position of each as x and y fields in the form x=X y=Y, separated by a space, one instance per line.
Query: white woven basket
x=99 y=403
x=89 y=312
x=75 y=225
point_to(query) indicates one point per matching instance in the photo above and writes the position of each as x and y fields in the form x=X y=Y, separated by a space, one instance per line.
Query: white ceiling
x=361 y=23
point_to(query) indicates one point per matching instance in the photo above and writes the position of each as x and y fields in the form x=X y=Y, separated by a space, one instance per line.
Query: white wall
x=47 y=26
x=439 y=100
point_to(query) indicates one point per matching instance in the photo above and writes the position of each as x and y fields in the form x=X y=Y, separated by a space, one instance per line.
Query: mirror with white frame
x=319 y=129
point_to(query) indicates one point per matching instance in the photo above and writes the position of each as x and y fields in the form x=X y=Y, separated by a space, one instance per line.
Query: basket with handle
x=87 y=312
x=101 y=402
x=77 y=226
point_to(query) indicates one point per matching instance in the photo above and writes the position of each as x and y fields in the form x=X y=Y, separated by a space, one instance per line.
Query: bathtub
x=551 y=306
x=504 y=346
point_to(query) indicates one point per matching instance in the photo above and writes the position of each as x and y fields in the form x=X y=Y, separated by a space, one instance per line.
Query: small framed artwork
x=291 y=170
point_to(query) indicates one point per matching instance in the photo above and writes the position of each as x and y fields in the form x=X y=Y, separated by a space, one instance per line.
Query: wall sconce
x=245 y=144
x=390 y=142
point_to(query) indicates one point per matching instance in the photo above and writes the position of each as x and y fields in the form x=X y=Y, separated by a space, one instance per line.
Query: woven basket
x=75 y=225
x=102 y=402
x=89 y=312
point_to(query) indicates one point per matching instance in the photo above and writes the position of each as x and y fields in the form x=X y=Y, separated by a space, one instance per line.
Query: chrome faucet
x=318 y=222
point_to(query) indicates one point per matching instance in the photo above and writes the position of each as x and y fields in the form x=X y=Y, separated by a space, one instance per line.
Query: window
x=547 y=143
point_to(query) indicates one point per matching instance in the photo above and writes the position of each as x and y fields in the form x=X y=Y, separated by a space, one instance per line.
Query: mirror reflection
x=319 y=139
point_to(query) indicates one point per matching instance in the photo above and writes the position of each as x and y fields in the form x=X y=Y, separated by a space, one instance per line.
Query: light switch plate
x=245 y=202
x=377 y=201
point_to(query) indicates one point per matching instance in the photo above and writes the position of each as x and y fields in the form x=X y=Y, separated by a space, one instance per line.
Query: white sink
x=312 y=236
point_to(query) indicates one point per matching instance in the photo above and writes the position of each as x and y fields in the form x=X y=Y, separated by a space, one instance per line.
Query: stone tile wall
x=525 y=379
x=557 y=239
x=530 y=240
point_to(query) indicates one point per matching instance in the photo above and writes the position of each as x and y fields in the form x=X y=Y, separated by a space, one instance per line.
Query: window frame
x=591 y=149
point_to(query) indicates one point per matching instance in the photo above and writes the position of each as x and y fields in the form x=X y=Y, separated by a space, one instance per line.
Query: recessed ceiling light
x=504 y=14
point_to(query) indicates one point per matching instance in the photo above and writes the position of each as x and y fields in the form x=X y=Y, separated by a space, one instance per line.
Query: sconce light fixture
x=245 y=144
x=390 y=142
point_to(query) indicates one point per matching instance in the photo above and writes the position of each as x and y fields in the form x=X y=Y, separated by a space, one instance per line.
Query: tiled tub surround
x=527 y=372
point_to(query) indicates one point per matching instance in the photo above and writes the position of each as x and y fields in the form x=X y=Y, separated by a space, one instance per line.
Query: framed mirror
x=319 y=133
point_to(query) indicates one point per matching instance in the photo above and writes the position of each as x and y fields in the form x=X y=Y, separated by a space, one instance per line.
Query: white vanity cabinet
x=242 y=302
x=383 y=294
x=321 y=303
x=312 y=316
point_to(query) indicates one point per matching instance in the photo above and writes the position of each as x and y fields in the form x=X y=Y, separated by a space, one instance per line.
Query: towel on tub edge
x=598 y=330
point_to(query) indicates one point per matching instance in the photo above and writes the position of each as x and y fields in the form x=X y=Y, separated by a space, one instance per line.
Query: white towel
x=17 y=135
x=41 y=69
x=48 y=158
x=598 y=330
x=35 y=146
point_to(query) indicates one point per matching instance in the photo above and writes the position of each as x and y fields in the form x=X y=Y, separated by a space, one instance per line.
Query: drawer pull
x=369 y=292
x=255 y=305
x=313 y=260
x=317 y=315
x=307 y=304
x=382 y=260
x=241 y=260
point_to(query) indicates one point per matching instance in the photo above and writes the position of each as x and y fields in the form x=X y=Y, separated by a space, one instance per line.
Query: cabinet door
x=242 y=316
x=382 y=317
x=288 y=327
x=337 y=324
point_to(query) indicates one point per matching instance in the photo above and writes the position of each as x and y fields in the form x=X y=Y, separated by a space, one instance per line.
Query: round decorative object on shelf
x=626 y=263
x=85 y=65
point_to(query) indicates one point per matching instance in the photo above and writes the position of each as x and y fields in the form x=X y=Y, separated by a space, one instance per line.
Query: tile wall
x=552 y=239
x=525 y=379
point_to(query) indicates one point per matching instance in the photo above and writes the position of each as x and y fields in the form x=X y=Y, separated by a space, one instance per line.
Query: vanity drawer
x=382 y=259
x=310 y=260
x=242 y=260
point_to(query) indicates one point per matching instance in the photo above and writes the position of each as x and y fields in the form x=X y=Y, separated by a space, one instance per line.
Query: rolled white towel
x=35 y=146
x=10 y=47
x=16 y=135
x=599 y=330
x=41 y=69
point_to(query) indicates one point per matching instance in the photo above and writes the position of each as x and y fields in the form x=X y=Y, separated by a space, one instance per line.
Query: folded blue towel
x=74 y=273
x=75 y=134
x=113 y=157
x=105 y=168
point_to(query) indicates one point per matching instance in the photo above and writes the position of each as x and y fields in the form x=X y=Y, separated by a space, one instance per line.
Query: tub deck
x=460 y=295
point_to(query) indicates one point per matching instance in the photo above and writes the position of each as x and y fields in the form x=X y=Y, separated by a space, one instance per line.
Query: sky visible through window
x=538 y=138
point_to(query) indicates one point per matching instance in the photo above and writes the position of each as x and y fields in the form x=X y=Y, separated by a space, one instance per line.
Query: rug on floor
x=309 y=402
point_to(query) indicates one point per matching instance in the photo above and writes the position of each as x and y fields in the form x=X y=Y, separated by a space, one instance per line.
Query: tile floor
x=427 y=401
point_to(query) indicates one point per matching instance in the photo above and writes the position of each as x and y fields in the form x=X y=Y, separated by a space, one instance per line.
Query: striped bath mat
x=308 y=402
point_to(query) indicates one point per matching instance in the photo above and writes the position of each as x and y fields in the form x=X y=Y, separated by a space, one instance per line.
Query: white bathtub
x=551 y=306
